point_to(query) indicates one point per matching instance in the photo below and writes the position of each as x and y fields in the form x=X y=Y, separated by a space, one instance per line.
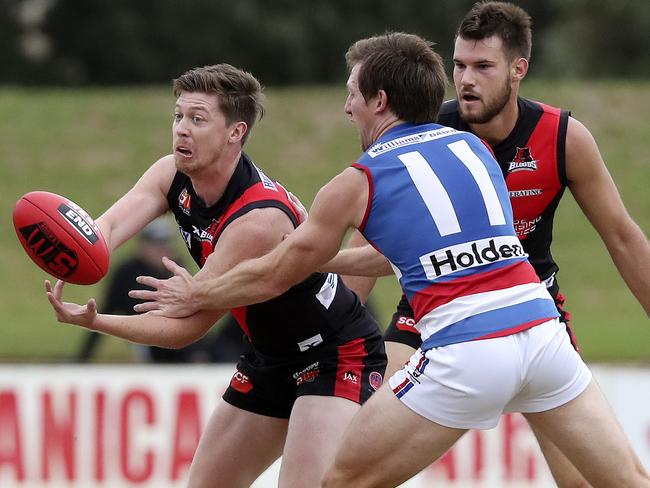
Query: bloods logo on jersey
x=185 y=201
x=523 y=161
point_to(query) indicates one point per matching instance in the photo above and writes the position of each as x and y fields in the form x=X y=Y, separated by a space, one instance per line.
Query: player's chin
x=184 y=158
x=473 y=116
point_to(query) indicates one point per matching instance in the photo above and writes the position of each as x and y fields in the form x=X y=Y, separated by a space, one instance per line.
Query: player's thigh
x=316 y=427
x=236 y=447
x=398 y=355
x=386 y=444
x=588 y=433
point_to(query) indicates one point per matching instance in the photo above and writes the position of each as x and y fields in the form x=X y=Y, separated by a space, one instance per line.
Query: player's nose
x=467 y=77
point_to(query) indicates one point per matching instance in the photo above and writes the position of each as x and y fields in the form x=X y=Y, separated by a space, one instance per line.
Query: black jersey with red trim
x=301 y=318
x=532 y=159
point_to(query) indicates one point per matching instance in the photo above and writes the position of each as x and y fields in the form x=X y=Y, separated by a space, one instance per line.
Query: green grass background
x=92 y=145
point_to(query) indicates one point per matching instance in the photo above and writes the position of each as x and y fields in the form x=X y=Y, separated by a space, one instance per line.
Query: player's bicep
x=145 y=201
x=590 y=182
x=253 y=235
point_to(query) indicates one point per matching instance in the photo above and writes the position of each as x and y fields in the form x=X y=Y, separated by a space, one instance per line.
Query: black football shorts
x=350 y=364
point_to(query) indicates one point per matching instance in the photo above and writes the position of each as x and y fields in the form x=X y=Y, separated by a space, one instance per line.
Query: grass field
x=91 y=145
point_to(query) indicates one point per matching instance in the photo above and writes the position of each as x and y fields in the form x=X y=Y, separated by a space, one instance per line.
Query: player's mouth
x=469 y=98
x=183 y=151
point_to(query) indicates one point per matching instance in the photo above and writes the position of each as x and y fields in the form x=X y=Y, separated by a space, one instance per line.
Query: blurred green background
x=86 y=108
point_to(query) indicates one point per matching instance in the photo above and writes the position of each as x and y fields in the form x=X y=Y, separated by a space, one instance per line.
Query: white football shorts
x=471 y=384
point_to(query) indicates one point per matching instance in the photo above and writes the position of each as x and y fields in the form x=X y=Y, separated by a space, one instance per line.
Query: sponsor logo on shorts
x=523 y=161
x=307 y=375
x=46 y=246
x=525 y=193
x=311 y=342
x=241 y=382
x=470 y=255
x=351 y=377
x=401 y=389
x=406 y=323
x=418 y=370
x=80 y=221
x=185 y=201
x=376 y=380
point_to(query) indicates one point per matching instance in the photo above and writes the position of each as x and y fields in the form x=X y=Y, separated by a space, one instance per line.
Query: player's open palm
x=171 y=297
x=70 y=313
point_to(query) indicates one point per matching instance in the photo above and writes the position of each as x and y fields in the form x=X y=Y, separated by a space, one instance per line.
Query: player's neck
x=387 y=123
x=500 y=126
x=211 y=184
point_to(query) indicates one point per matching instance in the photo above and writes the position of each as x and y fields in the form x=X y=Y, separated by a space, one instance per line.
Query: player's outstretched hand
x=70 y=313
x=171 y=297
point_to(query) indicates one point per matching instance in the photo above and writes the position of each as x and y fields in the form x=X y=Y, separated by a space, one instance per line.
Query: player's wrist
x=199 y=298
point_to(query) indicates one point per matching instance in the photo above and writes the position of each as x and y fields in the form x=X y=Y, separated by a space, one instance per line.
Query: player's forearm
x=359 y=261
x=248 y=283
x=149 y=329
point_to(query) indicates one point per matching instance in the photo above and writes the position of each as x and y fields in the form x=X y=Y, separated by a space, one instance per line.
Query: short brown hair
x=407 y=68
x=240 y=94
x=507 y=21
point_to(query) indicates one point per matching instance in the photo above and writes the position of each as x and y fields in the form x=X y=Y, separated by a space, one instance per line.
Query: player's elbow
x=625 y=238
x=179 y=341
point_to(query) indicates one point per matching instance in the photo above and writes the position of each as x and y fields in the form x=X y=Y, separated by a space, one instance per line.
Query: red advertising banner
x=124 y=426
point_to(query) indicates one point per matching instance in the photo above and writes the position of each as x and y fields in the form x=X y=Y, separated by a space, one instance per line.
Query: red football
x=61 y=238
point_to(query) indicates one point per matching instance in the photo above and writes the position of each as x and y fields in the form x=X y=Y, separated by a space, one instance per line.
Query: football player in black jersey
x=315 y=352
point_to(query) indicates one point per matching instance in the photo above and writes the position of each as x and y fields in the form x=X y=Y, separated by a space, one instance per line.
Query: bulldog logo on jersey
x=523 y=161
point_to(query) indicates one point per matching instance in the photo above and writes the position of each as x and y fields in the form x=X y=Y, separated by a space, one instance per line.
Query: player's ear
x=237 y=131
x=519 y=68
x=381 y=101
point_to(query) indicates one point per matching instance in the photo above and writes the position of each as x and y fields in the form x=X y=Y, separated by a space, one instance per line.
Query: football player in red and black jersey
x=315 y=352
